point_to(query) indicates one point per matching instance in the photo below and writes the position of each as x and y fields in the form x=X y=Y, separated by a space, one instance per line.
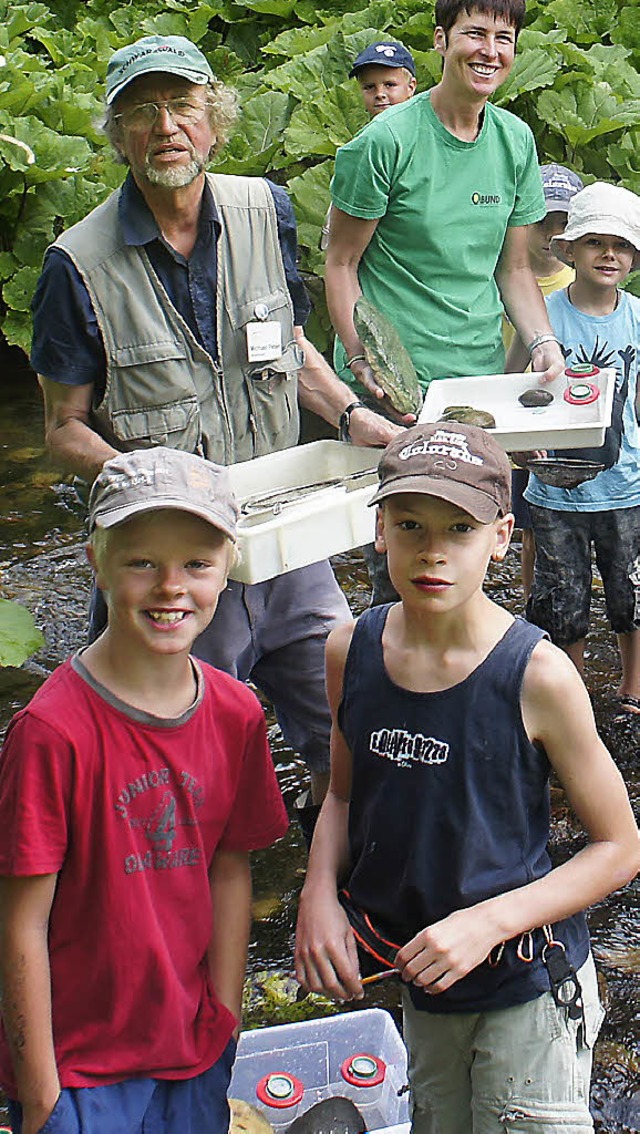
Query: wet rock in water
x=625 y=958
x=331 y=1116
x=614 y=1056
x=274 y=998
x=624 y=1112
x=467 y=415
x=247 y=1119
x=535 y=397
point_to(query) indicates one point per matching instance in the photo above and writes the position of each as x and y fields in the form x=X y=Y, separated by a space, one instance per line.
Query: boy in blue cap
x=386 y=71
x=448 y=716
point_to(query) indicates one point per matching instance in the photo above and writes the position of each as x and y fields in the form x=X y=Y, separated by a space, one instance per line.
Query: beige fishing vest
x=162 y=387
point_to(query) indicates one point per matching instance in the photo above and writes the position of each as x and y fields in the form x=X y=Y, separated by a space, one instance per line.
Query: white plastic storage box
x=301 y=505
x=559 y=425
x=313 y=1054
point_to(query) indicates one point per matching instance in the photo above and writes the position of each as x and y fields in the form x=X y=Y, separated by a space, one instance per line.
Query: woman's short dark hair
x=447 y=11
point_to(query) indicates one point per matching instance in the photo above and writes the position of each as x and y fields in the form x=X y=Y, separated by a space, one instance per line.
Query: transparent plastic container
x=313 y=1051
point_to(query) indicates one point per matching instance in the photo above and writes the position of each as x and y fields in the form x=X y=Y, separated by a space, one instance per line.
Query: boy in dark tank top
x=448 y=716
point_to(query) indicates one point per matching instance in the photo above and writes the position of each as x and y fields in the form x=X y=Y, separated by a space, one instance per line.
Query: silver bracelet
x=539 y=340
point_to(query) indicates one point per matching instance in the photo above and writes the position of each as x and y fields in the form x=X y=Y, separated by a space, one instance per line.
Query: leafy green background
x=575 y=81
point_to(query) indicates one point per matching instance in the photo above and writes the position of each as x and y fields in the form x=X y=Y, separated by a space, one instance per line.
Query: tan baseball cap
x=148 y=479
x=458 y=463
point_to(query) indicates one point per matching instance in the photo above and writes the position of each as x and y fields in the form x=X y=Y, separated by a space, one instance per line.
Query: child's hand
x=326 y=957
x=440 y=955
x=35 y=1116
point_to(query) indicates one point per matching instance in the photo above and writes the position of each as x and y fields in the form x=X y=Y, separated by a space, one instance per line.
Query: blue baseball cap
x=559 y=185
x=386 y=53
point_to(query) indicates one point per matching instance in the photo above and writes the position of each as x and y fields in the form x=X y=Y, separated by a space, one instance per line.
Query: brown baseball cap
x=147 y=479
x=459 y=463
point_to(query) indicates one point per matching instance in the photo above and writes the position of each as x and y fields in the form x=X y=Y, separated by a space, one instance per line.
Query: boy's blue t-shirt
x=607 y=341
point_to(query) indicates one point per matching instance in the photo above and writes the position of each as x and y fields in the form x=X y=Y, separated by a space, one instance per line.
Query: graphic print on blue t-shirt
x=604 y=355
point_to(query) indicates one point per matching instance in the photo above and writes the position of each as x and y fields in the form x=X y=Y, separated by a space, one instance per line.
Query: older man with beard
x=172 y=315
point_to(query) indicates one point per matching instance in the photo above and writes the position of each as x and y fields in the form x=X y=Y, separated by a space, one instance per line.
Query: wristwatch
x=345 y=419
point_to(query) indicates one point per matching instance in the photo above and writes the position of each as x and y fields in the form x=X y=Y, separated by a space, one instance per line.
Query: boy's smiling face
x=384 y=86
x=601 y=261
x=162 y=573
x=478 y=53
x=437 y=553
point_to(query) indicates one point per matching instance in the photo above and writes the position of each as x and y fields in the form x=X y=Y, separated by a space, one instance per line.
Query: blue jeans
x=143 y=1106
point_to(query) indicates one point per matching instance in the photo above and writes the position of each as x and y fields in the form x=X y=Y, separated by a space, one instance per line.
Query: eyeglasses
x=182 y=111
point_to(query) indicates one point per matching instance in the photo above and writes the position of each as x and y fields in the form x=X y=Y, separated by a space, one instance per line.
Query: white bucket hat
x=608 y=210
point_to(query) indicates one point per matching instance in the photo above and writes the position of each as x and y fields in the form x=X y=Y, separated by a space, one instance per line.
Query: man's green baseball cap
x=173 y=54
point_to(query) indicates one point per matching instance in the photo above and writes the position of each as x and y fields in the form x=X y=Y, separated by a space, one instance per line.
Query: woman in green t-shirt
x=431 y=205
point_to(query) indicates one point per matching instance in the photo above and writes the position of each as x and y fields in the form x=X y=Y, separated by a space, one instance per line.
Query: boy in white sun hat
x=598 y=323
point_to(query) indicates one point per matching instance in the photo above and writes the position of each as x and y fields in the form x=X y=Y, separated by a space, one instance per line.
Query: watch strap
x=344 y=432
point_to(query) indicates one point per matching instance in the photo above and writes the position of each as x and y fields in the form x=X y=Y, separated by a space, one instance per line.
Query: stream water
x=42 y=565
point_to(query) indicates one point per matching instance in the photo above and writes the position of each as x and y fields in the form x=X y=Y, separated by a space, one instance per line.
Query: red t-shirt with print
x=129 y=810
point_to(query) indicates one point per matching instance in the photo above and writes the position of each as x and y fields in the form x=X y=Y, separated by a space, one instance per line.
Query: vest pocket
x=175 y=424
x=273 y=396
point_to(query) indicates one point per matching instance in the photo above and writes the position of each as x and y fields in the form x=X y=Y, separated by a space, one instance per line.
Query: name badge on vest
x=264 y=341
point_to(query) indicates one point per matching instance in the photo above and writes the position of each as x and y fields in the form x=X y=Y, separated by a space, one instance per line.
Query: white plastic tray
x=559 y=425
x=325 y=522
x=313 y=1051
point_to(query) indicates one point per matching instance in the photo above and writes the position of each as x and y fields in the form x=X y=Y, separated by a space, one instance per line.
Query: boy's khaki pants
x=522 y=1070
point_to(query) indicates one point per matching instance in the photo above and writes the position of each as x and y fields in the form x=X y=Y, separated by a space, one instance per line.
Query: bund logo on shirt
x=485 y=198
x=407 y=748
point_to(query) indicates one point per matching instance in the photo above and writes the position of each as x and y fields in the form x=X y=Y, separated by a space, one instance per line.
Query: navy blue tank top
x=449 y=806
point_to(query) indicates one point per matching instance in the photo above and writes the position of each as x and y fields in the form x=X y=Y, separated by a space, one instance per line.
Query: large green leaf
x=626 y=30
x=15 y=153
x=310 y=195
x=295 y=41
x=259 y=136
x=19 y=635
x=624 y=157
x=322 y=68
x=57 y=155
x=311 y=198
x=317 y=129
x=16 y=328
x=271 y=7
x=531 y=70
x=18 y=291
x=587 y=111
x=586 y=21
x=8 y=265
x=20 y=18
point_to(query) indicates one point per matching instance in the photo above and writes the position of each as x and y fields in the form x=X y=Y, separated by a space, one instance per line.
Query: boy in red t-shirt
x=132 y=788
